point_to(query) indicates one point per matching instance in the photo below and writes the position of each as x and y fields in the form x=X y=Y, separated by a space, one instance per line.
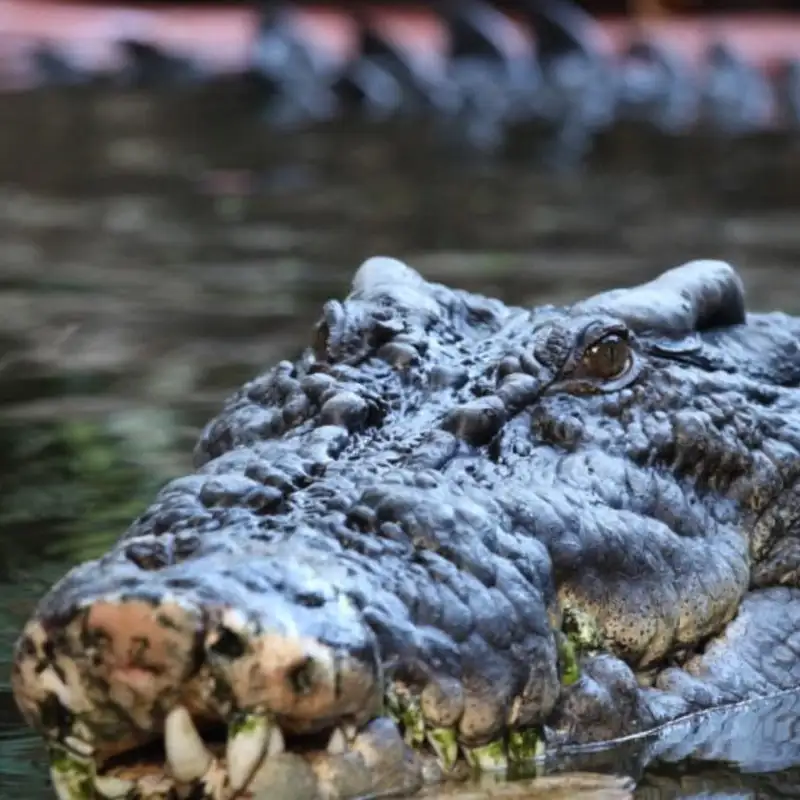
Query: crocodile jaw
x=176 y=683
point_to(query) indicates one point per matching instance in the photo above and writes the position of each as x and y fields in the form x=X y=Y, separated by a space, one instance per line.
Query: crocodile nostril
x=302 y=676
x=228 y=644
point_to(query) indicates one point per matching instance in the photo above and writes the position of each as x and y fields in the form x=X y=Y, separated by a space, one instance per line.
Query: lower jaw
x=253 y=757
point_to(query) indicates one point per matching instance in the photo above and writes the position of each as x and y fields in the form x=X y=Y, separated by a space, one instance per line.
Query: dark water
x=158 y=250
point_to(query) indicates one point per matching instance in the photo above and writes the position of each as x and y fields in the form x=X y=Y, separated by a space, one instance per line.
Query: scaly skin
x=453 y=534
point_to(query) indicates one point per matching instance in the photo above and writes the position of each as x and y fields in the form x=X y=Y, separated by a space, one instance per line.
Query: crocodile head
x=449 y=535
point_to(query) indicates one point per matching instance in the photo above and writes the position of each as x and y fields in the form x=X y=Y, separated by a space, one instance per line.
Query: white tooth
x=247 y=744
x=187 y=756
x=337 y=744
x=113 y=788
x=276 y=744
x=52 y=683
x=350 y=731
x=78 y=746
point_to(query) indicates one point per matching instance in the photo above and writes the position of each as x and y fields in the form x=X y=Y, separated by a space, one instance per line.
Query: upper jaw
x=102 y=671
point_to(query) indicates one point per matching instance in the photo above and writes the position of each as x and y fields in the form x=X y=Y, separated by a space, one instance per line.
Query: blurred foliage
x=70 y=487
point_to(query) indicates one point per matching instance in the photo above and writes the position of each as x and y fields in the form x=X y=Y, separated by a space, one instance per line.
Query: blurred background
x=182 y=185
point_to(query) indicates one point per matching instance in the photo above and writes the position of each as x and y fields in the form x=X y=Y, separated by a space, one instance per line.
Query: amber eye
x=607 y=358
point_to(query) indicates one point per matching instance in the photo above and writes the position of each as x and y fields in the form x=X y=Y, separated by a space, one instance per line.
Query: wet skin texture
x=452 y=535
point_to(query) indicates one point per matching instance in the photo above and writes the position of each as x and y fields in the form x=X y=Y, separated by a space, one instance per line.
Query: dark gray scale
x=607 y=693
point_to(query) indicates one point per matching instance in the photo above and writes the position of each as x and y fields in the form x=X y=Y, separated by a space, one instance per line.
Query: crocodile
x=452 y=537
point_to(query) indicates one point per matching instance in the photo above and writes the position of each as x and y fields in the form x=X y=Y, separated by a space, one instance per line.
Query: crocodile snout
x=199 y=675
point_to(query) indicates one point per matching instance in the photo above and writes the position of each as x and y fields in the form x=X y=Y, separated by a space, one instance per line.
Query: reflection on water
x=158 y=250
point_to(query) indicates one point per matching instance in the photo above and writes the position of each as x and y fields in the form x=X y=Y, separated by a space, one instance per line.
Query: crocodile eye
x=607 y=358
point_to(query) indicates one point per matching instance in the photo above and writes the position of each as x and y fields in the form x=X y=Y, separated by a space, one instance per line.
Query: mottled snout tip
x=106 y=666
x=105 y=680
x=110 y=673
x=123 y=673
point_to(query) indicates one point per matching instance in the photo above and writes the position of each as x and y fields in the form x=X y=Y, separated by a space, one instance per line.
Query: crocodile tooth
x=337 y=744
x=78 y=746
x=276 y=743
x=187 y=756
x=111 y=788
x=52 y=683
x=350 y=731
x=248 y=738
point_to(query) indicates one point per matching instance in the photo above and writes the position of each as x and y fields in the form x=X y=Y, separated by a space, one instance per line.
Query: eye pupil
x=608 y=358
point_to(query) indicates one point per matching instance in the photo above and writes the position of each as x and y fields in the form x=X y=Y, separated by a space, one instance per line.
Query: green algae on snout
x=519 y=749
x=72 y=777
x=488 y=757
x=404 y=708
x=444 y=743
x=567 y=660
x=582 y=630
x=245 y=722
x=524 y=746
